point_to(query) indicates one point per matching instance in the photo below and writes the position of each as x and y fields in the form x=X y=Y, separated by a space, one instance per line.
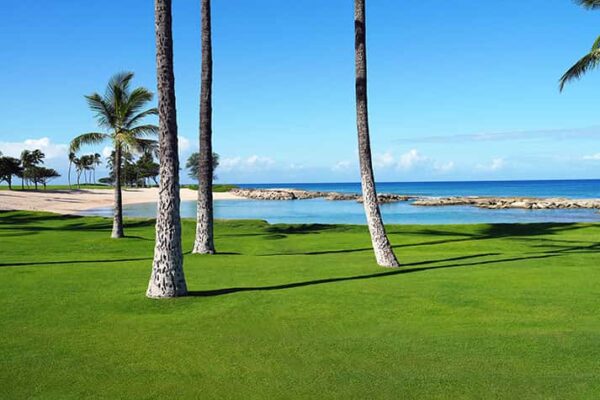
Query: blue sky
x=458 y=90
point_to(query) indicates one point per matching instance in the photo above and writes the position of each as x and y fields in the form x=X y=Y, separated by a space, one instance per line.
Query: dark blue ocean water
x=351 y=212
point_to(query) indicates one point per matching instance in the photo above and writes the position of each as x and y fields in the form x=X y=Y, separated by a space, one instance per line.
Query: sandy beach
x=73 y=202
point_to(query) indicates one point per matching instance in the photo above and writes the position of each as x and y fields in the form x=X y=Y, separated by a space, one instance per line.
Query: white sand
x=67 y=202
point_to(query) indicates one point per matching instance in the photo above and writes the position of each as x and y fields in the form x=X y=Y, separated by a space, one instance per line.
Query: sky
x=460 y=90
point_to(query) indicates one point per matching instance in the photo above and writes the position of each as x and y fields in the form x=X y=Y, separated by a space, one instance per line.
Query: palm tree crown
x=587 y=62
x=119 y=111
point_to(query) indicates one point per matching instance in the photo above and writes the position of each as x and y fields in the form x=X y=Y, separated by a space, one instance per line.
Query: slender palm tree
x=204 y=243
x=120 y=112
x=167 y=278
x=588 y=61
x=381 y=245
x=37 y=157
x=72 y=158
x=96 y=162
x=26 y=162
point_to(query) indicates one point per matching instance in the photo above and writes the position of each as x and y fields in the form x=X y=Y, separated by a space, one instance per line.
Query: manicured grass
x=57 y=187
x=479 y=311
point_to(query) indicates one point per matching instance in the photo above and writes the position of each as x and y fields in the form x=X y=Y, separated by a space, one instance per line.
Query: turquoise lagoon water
x=351 y=212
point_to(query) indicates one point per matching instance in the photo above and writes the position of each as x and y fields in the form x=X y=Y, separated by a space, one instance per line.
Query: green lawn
x=17 y=186
x=478 y=311
x=217 y=188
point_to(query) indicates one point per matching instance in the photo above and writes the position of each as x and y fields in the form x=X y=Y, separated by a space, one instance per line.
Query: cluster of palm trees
x=84 y=165
x=120 y=112
x=28 y=167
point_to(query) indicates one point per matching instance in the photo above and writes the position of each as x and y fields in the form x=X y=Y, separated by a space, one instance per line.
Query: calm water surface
x=351 y=212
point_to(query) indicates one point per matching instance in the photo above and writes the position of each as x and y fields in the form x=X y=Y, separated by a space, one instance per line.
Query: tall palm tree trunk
x=381 y=245
x=70 y=164
x=117 y=231
x=167 y=279
x=204 y=243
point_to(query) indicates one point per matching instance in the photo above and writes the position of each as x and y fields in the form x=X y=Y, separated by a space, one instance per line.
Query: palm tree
x=72 y=158
x=26 y=164
x=587 y=62
x=95 y=160
x=167 y=278
x=119 y=111
x=381 y=245
x=204 y=243
x=37 y=157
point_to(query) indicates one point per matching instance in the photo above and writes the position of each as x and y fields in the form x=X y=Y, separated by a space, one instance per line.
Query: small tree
x=44 y=175
x=8 y=168
x=30 y=160
x=147 y=168
x=193 y=165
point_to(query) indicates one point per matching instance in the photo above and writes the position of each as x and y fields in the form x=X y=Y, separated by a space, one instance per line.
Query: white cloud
x=184 y=143
x=594 y=157
x=411 y=159
x=342 y=166
x=107 y=151
x=496 y=165
x=252 y=163
x=384 y=160
x=44 y=144
x=443 y=167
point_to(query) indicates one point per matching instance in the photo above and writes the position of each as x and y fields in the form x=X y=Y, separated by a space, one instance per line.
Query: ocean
x=351 y=212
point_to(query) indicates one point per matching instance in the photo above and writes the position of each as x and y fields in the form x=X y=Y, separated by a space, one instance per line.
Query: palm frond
x=137 y=118
x=137 y=145
x=596 y=44
x=586 y=63
x=143 y=130
x=91 y=138
x=590 y=4
x=136 y=100
x=118 y=92
x=103 y=109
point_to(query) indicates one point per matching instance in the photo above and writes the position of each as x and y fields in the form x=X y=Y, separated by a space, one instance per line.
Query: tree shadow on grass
x=67 y=262
x=417 y=267
x=491 y=231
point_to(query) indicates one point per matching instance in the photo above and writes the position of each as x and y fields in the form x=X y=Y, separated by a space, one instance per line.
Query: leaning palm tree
x=72 y=158
x=381 y=245
x=587 y=62
x=167 y=278
x=204 y=243
x=120 y=111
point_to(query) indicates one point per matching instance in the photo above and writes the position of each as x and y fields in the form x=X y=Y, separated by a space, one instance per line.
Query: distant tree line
x=142 y=172
x=28 y=168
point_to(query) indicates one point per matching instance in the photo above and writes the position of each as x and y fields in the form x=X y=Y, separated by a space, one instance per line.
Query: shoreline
x=74 y=202
x=79 y=201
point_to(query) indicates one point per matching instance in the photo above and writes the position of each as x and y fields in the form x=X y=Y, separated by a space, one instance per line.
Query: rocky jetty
x=297 y=194
x=530 y=203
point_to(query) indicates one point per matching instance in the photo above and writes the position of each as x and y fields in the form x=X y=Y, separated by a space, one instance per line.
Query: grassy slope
x=503 y=311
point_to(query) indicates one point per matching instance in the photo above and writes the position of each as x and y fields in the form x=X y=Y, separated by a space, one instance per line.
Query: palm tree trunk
x=167 y=279
x=70 y=163
x=204 y=243
x=117 y=230
x=381 y=245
